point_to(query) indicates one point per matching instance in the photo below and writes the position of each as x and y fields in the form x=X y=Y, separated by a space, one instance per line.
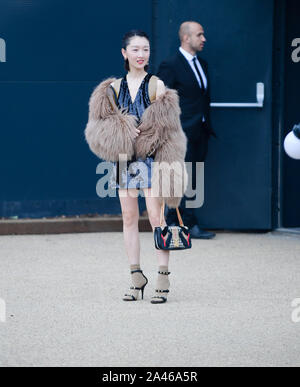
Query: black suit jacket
x=177 y=74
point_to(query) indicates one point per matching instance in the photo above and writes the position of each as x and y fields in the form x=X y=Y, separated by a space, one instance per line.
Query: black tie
x=199 y=75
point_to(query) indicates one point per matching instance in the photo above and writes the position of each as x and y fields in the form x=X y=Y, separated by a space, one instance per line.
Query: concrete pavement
x=229 y=302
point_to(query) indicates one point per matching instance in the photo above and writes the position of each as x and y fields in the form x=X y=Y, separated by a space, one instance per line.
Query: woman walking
x=138 y=116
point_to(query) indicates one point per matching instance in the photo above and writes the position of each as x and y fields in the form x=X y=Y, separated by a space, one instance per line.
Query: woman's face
x=137 y=52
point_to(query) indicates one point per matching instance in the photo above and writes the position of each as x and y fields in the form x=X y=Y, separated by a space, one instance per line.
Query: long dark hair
x=126 y=41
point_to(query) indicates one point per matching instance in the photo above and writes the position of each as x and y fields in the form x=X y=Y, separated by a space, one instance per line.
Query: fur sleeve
x=109 y=130
x=160 y=125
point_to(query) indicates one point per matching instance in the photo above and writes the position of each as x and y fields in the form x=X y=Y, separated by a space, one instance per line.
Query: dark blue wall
x=291 y=167
x=57 y=52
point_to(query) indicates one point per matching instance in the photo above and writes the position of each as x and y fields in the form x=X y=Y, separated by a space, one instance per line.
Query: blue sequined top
x=142 y=100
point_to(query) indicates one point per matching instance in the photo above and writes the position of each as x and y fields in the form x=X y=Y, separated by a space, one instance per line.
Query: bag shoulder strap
x=113 y=92
x=162 y=211
x=152 y=87
x=116 y=86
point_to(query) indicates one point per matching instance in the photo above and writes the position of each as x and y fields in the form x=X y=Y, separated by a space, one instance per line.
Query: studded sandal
x=159 y=297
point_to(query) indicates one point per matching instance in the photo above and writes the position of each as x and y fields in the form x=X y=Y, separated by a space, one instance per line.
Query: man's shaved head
x=186 y=28
x=191 y=35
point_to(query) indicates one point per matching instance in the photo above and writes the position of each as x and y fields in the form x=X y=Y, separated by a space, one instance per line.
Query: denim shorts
x=136 y=174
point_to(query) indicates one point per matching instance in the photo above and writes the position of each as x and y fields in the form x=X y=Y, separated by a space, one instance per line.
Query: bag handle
x=117 y=84
x=152 y=87
x=162 y=215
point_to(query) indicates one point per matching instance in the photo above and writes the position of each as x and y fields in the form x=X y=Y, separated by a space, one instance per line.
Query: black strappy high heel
x=159 y=298
x=136 y=289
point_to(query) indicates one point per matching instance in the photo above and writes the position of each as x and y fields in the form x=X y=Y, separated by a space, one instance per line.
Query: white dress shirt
x=189 y=57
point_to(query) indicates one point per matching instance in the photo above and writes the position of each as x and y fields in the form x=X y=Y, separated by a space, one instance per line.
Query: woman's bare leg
x=130 y=214
x=153 y=209
x=162 y=282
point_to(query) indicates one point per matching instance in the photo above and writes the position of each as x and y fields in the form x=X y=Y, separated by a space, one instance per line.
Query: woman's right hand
x=136 y=132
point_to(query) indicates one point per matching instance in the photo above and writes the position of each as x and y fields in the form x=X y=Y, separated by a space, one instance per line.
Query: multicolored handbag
x=172 y=237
